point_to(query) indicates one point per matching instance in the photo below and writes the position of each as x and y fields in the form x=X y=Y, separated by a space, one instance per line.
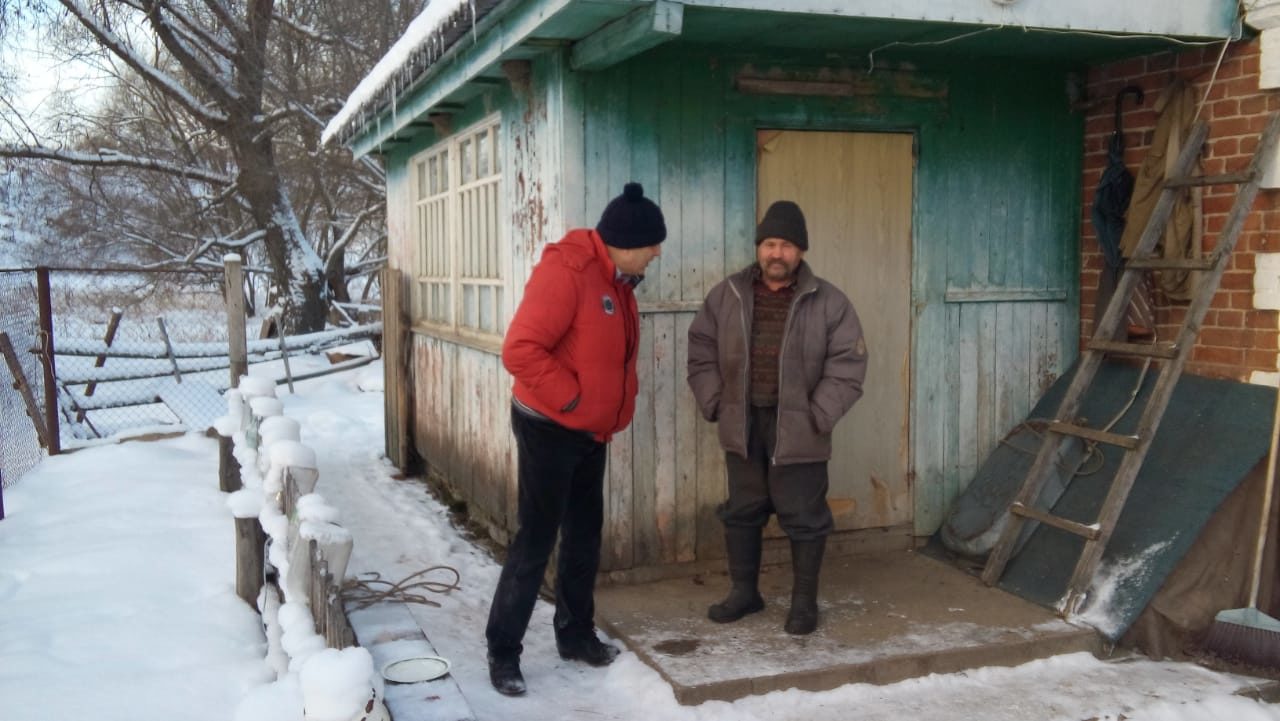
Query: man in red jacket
x=571 y=348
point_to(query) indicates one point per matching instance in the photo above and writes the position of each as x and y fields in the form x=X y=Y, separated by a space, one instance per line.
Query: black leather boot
x=504 y=674
x=743 y=545
x=806 y=563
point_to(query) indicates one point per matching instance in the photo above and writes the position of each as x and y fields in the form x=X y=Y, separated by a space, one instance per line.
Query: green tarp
x=1212 y=434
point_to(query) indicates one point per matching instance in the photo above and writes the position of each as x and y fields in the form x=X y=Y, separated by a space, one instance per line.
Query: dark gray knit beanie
x=784 y=220
x=632 y=220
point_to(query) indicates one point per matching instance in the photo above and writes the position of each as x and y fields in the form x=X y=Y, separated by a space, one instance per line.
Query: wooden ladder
x=1172 y=357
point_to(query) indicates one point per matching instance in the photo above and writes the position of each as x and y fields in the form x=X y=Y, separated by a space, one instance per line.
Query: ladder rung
x=1115 y=439
x=1168 y=351
x=1193 y=180
x=1091 y=532
x=1170 y=263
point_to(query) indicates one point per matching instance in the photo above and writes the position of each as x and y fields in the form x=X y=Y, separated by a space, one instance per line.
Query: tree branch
x=165 y=82
x=110 y=158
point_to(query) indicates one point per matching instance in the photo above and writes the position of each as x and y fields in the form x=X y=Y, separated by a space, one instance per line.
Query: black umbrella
x=1114 y=190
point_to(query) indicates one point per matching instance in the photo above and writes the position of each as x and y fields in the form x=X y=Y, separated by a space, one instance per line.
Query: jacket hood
x=580 y=248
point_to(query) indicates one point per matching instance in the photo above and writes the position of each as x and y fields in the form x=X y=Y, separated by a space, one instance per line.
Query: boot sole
x=730 y=618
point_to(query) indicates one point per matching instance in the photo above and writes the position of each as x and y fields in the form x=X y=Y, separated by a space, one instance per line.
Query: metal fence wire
x=19 y=443
x=137 y=351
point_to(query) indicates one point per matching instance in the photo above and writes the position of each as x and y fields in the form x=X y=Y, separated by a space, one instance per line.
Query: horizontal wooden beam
x=1004 y=295
x=895 y=83
x=1091 y=531
x=628 y=36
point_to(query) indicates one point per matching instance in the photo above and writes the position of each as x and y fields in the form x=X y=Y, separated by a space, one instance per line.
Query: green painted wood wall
x=994 y=248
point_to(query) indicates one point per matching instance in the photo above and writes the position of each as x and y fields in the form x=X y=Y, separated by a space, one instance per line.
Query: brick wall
x=1239 y=338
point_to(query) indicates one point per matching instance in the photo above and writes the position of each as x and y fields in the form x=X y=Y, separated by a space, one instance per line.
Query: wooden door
x=856 y=193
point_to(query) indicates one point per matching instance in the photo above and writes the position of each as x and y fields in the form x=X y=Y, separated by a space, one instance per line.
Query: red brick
x=1242 y=299
x=1224 y=337
x=1224 y=147
x=1253 y=105
x=1260 y=360
x=1218 y=204
x=1263 y=340
x=1261 y=319
x=1218 y=356
x=1243 y=261
x=1229 y=318
x=1229 y=126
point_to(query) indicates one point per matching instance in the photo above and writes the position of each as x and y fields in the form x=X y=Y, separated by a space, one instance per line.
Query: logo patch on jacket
x=607 y=303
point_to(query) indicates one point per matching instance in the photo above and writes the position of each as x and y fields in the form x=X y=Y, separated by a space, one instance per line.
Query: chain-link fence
x=19 y=442
x=137 y=352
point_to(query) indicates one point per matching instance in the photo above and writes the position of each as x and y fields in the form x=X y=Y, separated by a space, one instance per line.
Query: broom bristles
x=1245 y=635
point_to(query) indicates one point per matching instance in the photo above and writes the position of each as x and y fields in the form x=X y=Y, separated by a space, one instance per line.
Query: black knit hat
x=632 y=220
x=783 y=220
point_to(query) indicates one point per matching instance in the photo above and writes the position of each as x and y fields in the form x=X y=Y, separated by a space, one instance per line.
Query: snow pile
x=312 y=682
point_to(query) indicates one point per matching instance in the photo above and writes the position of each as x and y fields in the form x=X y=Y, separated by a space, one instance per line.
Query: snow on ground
x=117 y=602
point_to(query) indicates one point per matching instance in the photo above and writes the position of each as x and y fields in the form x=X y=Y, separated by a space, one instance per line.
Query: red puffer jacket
x=574 y=336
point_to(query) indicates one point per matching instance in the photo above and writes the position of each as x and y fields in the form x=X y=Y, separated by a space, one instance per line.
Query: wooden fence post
x=173 y=360
x=395 y=352
x=236 y=344
x=251 y=540
x=45 y=302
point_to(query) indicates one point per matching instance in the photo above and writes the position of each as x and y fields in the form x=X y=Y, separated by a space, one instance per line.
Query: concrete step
x=884 y=618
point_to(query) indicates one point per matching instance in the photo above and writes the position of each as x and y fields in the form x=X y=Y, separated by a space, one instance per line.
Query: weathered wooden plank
x=686 y=426
x=739 y=198
x=694 y=154
x=952 y=452
x=987 y=386
x=711 y=492
x=643 y=454
x=967 y=391
x=665 y=386
x=643 y=119
x=671 y=191
x=619 y=504
x=710 y=266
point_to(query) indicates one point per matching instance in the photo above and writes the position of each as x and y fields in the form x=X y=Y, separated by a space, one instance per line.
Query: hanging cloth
x=1182 y=238
x=1110 y=204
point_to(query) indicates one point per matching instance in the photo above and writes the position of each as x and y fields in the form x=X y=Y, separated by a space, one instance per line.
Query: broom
x=1248 y=635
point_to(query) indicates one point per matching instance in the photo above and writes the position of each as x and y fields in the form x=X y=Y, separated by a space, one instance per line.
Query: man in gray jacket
x=776 y=357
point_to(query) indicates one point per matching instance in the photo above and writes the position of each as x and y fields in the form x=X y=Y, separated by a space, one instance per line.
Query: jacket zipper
x=627 y=340
x=782 y=348
x=746 y=376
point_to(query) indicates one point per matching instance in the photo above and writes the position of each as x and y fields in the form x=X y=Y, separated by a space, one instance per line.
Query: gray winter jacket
x=823 y=361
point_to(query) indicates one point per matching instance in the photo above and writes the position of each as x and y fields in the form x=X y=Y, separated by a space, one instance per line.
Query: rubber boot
x=806 y=563
x=743 y=545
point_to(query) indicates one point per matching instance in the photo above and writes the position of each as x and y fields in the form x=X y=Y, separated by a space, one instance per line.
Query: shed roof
x=456 y=43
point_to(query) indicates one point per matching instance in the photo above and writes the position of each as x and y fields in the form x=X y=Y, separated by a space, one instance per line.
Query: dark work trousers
x=797 y=492
x=561 y=477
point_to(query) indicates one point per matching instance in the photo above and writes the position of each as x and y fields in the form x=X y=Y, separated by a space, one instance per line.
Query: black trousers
x=561 y=488
x=797 y=492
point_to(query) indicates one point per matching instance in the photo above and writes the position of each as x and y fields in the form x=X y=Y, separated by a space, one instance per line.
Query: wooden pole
x=112 y=326
x=251 y=543
x=164 y=334
x=284 y=353
x=250 y=539
x=44 y=296
x=23 y=388
x=237 y=346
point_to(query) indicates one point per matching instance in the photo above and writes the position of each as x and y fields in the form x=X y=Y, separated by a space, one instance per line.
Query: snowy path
x=117 y=604
x=400 y=529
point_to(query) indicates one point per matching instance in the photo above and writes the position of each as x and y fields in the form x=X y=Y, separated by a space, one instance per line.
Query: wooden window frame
x=467 y=259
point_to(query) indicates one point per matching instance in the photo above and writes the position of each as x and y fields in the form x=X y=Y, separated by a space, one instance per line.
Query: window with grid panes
x=460 y=260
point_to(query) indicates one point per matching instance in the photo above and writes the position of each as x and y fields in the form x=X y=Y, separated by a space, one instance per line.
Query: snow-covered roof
x=439 y=27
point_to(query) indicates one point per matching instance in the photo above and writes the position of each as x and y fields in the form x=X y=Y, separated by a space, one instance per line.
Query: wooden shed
x=934 y=145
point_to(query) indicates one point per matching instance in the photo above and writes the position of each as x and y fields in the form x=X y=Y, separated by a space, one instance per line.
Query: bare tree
x=209 y=140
